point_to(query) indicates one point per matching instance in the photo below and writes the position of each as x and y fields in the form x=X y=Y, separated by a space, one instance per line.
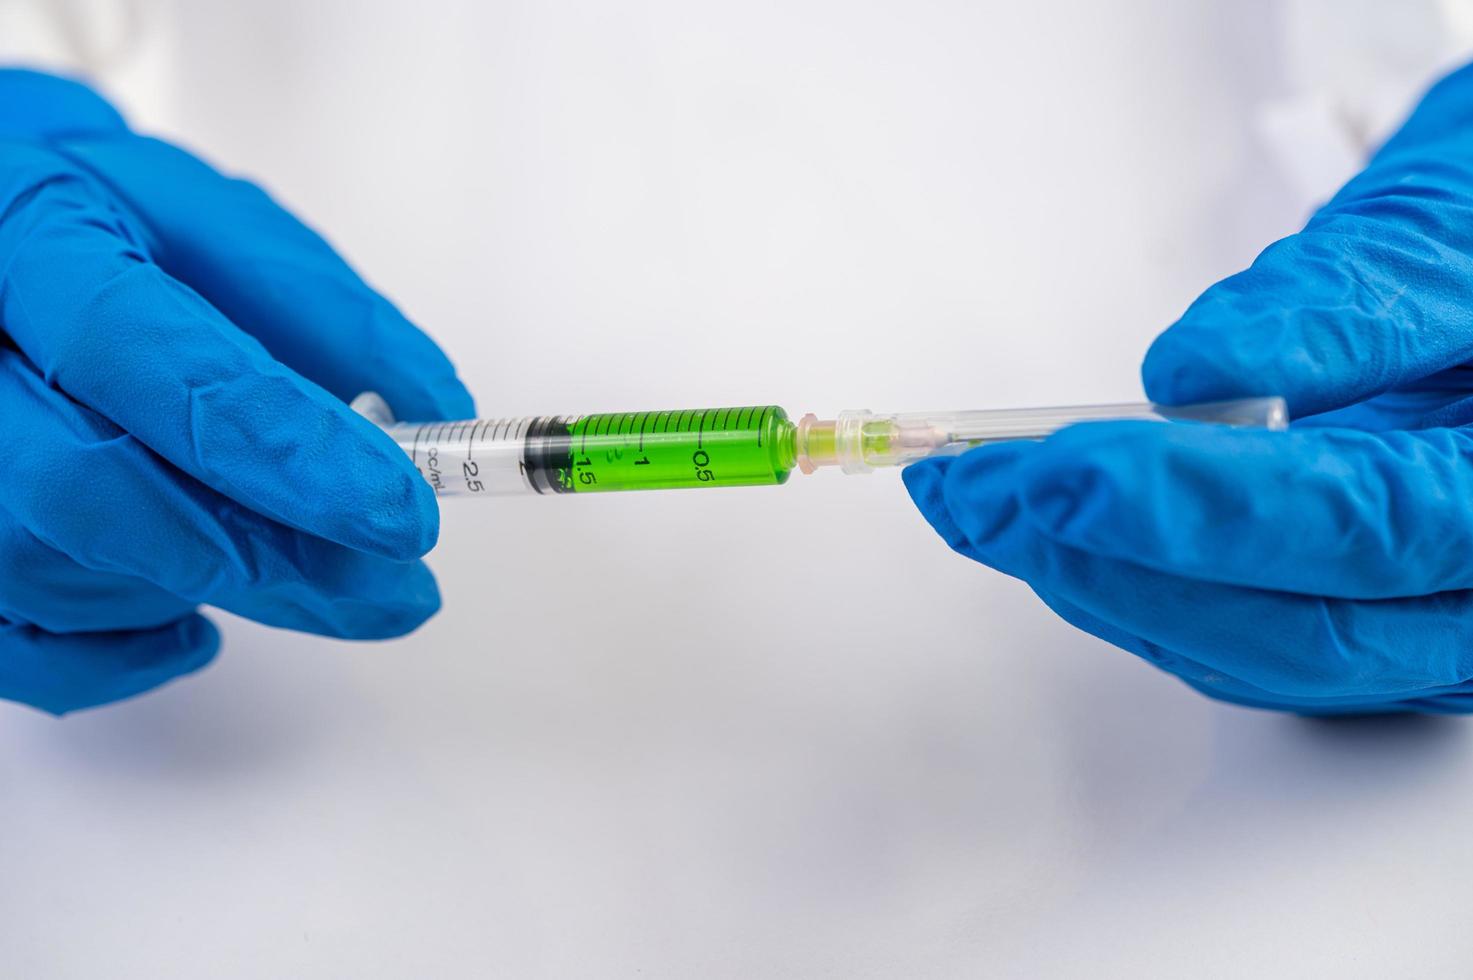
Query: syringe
x=744 y=446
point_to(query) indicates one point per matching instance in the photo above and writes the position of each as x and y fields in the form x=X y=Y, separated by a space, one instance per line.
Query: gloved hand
x=175 y=352
x=1325 y=569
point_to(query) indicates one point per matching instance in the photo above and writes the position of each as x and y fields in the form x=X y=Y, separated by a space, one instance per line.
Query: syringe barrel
x=480 y=457
x=562 y=454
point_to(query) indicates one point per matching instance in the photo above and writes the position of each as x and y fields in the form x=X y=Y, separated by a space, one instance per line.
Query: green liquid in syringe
x=703 y=447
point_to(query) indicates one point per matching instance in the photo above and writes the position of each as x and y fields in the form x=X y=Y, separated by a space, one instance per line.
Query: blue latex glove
x=175 y=352
x=1325 y=569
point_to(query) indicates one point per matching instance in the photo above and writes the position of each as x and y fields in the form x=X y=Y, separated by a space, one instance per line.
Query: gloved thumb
x=1375 y=292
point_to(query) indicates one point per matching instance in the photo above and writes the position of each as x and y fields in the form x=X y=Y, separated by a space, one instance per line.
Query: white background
x=776 y=732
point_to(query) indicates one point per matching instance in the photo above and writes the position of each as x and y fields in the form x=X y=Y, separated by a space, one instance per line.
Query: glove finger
x=275 y=278
x=1446 y=111
x=87 y=489
x=61 y=673
x=41 y=586
x=1441 y=400
x=1289 y=645
x=109 y=327
x=1219 y=686
x=1331 y=512
x=1376 y=291
x=34 y=106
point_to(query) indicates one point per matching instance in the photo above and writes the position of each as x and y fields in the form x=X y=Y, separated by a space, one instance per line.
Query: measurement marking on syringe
x=701 y=431
x=644 y=418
